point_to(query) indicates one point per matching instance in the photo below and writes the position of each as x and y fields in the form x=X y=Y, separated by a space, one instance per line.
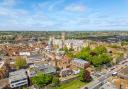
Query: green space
x=75 y=84
x=97 y=56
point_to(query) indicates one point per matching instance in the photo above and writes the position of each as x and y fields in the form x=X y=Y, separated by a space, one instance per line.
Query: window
x=20 y=83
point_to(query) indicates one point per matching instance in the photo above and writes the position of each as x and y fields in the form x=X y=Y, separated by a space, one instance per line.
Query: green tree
x=85 y=76
x=96 y=61
x=65 y=49
x=83 y=55
x=87 y=49
x=20 y=62
x=105 y=58
x=71 y=49
x=101 y=59
x=42 y=79
x=97 y=57
x=100 y=49
x=70 y=55
x=55 y=81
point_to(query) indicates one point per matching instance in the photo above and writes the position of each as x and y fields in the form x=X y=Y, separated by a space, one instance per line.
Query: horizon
x=63 y=15
x=61 y=30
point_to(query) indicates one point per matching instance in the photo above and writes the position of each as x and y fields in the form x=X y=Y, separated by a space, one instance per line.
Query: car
x=126 y=64
x=114 y=73
x=86 y=88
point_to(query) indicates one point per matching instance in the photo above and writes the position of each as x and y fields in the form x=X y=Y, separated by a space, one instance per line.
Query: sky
x=63 y=15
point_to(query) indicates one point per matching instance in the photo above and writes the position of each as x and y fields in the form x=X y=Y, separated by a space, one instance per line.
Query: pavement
x=108 y=85
x=103 y=78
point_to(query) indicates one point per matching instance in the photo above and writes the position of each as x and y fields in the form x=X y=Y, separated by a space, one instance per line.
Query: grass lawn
x=75 y=84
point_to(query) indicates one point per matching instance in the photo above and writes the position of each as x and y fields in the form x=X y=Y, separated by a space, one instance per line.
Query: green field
x=75 y=84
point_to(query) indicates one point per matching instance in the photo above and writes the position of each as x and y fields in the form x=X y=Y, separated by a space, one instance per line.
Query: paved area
x=104 y=77
x=108 y=85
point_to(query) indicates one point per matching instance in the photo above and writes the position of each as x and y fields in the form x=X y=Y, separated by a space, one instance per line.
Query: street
x=103 y=78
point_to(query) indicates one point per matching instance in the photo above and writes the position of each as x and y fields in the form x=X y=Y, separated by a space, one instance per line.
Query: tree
x=65 y=49
x=42 y=79
x=96 y=61
x=71 y=49
x=87 y=49
x=55 y=81
x=97 y=57
x=69 y=55
x=101 y=59
x=85 y=76
x=20 y=62
x=100 y=50
x=83 y=55
x=105 y=58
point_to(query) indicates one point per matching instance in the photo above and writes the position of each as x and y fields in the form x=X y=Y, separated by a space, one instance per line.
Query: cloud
x=9 y=3
x=49 y=5
x=75 y=8
x=23 y=19
x=55 y=4
x=12 y=13
x=55 y=15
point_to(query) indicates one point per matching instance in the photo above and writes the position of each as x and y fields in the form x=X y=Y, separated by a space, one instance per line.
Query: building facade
x=18 y=78
x=79 y=63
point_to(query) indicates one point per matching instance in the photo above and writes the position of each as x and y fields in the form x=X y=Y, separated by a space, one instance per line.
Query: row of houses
x=74 y=63
x=20 y=77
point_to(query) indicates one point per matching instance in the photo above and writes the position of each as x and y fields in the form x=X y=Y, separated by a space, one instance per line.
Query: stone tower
x=63 y=39
x=51 y=41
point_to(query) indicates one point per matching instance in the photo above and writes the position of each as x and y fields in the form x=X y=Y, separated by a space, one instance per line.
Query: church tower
x=63 y=39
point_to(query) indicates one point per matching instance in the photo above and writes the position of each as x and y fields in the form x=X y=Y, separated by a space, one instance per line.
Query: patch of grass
x=75 y=84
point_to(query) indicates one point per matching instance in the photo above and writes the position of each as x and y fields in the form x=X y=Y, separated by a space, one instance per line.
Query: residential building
x=18 y=78
x=38 y=67
x=79 y=63
x=121 y=81
x=35 y=59
x=64 y=63
x=24 y=53
x=66 y=72
x=31 y=72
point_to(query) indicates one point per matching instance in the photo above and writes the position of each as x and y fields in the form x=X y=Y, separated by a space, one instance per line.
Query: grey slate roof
x=17 y=75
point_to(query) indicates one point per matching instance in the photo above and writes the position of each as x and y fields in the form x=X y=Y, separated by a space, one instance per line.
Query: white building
x=75 y=44
x=18 y=78
x=1 y=64
x=24 y=53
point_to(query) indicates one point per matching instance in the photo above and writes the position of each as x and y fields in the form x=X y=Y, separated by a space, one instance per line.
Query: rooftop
x=35 y=58
x=45 y=68
x=124 y=73
x=79 y=60
x=17 y=75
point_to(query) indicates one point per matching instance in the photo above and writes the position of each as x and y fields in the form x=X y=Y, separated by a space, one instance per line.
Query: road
x=103 y=78
x=97 y=81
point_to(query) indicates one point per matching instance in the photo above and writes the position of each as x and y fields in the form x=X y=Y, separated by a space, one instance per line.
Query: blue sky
x=63 y=15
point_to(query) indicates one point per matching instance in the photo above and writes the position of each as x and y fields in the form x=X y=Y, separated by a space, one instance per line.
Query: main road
x=100 y=80
x=103 y=78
